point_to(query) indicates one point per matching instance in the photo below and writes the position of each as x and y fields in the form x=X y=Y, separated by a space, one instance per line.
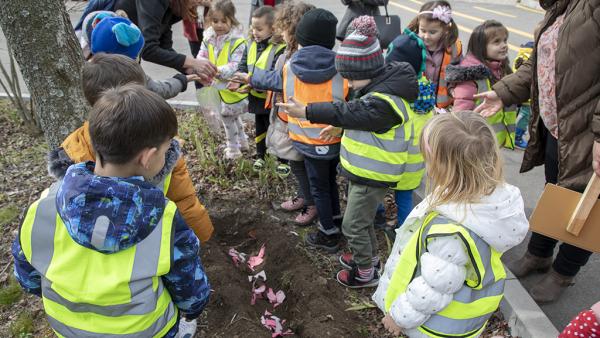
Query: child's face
x=431 y=32
x=358 y=84
x=220 y=23
x=153 y=159
x=261 y=30
x=497 y=47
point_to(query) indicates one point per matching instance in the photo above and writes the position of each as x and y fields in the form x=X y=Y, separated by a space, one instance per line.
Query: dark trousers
x=299 y=171
x=261 y=125
x=570 y=258
x=324 y=190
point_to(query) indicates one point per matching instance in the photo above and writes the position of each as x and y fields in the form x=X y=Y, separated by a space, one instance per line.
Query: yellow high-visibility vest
x=262 y=62
x=227 y=96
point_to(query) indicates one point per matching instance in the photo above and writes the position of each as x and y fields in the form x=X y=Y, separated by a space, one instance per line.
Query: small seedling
x=10 y=293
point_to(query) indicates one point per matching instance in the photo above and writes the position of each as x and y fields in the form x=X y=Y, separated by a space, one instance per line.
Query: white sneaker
x=187 y=329
x=232 y=153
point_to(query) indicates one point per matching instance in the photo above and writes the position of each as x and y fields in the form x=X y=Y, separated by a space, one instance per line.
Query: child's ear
x=145 y=157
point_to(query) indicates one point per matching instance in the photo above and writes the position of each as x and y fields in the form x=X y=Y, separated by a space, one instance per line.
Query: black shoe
x=350 y=279
x=329 y=243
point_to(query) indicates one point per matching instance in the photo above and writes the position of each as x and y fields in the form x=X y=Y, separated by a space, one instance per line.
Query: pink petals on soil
x=275 y=325
x=257 y=260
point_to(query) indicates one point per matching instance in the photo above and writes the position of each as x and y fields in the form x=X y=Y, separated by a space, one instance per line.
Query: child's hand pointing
x=293 y=108
x=391 y=326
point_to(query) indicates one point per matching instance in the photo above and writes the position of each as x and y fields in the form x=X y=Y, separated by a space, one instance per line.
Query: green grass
x=23 y=326
x=10 y=293
x=8 y=214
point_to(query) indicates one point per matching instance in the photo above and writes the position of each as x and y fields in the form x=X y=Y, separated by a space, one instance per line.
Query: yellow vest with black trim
x=503 y=122
x=87 y=293
x=472 y=306
x=227 y=96
x=263 y=62
x=393 y=157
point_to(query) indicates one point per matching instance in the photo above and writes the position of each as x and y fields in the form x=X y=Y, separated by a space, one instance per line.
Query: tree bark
x=40 y=35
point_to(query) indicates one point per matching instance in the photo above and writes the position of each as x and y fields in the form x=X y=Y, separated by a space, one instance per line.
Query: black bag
x=388 y=27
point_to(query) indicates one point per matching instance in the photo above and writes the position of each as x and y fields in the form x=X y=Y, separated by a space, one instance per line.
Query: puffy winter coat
x=498 y=219
x=577 y=91
x=355 y=9
x=77 y=147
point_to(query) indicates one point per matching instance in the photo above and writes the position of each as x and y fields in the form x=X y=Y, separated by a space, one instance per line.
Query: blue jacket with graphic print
x=134 y=208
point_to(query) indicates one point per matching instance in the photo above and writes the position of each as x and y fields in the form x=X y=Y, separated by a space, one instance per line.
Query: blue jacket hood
x=108 y=214
x=314 y=64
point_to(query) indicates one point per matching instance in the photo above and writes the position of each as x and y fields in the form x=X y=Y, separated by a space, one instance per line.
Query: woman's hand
x=491 y=103
x=329 y=133
x=390 y=325
x=293 y=108
x=201 y=67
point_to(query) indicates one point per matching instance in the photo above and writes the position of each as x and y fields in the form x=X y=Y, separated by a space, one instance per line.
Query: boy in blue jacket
x=104 y=248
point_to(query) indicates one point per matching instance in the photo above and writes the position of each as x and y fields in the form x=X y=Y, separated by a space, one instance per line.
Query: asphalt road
x=521 y=23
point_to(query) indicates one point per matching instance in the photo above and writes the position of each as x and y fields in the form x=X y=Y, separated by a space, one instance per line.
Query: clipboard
x=570 y=216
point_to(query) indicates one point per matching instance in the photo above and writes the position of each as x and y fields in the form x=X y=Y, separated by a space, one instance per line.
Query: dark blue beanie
x=116 y=35
x=407 y=47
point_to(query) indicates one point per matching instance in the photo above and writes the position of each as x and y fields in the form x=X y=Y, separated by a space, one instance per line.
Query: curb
x=533 y=4
x=521 y=312
x=178 y=104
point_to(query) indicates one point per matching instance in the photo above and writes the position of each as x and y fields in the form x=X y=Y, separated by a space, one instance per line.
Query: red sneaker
x=351 y=279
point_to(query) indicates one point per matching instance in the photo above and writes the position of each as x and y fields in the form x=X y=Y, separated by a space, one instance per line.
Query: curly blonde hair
x=462 y=158
x=286 y=19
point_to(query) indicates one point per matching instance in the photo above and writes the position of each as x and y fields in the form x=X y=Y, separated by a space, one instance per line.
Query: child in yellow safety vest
x=261 y=54
x=380 y=142
x=486 y=63
x=105 y=250
x=224 y=45
x=444 y=276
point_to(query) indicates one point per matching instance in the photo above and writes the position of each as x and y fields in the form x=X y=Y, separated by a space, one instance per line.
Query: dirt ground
x=241 y=205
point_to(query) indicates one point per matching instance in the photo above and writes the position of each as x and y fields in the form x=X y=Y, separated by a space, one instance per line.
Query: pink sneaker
x=293 y=204
x=306 y=216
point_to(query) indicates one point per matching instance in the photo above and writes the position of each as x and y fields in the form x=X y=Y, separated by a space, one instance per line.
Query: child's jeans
x=404 y=204
x=357 y=225
x=299 y=171
x=323 y=187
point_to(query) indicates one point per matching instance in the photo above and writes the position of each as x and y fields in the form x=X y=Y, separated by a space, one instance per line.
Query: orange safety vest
x=302 y=130
x=451 y=56
x=269 y=105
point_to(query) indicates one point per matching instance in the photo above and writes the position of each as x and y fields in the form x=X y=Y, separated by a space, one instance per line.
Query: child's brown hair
x=480 y=37
x=462 y=158
x=451 y=29
x=128 y=119
x=227 y=8
x=286 y=19
x=104 y=71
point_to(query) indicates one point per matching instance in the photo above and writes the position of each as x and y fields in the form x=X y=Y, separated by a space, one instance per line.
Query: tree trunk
x=43 y=42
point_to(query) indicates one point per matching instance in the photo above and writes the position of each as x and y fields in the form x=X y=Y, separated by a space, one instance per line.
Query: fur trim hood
x=458 y=73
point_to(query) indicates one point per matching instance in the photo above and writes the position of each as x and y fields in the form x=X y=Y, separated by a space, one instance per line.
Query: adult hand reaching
x=491 y=103
x=330 y=132
x=203 y=68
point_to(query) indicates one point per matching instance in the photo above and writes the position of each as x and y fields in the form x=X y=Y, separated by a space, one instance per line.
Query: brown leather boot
x=550 y=287
x=528 y=264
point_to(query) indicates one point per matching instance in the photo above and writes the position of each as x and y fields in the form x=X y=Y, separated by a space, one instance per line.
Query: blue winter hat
x=116 y=35
x=91 y=20
x=408 y=47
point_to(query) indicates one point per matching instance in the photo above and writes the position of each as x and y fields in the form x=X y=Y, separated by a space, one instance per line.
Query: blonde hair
x=287 y=17
x=462 y=158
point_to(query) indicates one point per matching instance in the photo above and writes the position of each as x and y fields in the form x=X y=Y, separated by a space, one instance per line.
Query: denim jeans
x=324 y=190
x=404 y=204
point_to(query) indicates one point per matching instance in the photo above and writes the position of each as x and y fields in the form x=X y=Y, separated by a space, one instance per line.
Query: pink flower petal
x=271 y=296
x=260 y=289
x=280 y=297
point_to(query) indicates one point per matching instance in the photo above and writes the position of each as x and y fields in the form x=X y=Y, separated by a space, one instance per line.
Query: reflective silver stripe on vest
x=309 y=132
x=392 y=146
x=143 y=298
x=466 y=294
x=379 y=166
x=151 y=331
x=42 y=237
